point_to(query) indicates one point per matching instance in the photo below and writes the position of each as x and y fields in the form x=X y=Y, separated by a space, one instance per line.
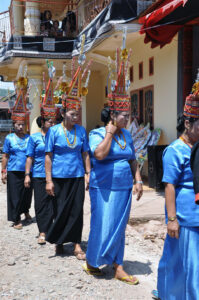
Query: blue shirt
x=114 y=171
x=16 y=148
x=177 y=171
x=67 y=162
x=36 y=149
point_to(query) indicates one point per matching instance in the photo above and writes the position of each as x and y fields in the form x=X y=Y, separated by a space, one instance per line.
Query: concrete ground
x=29 y=271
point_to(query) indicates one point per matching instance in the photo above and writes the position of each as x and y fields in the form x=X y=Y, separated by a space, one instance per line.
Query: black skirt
x=43 y=205
x=18 y=197
x=68 y=211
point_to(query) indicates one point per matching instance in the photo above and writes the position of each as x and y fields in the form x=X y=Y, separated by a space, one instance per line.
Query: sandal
x=125 y=279
x=18 y=226
x=92 y=271
x=41 y=240
x=80 y=255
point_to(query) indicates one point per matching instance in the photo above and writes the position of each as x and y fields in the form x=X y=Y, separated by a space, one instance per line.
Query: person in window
x=36 y=157
x=111 y=182
x=69 y=25
x=55 y=30
x=179 y=265
x=47 y=16
x=67 y=162
x=43 y=31
x=69 y=30
x=13 y=162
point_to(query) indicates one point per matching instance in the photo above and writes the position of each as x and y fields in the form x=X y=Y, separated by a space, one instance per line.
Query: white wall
x=164 y=81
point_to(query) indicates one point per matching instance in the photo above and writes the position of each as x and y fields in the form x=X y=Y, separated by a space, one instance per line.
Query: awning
x=117 y=12
x=161 y=25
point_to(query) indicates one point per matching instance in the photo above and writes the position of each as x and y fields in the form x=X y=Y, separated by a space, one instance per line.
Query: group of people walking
x=60 y=162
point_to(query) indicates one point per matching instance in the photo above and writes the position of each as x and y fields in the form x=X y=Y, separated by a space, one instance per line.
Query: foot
x=41 y=239
x=79 y=253
x=91 y=270
x=120 y=274
x=28 y=217
x=59 y=249
x=17 y=225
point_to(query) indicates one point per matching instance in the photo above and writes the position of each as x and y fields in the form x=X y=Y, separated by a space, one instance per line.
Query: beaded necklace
x=183 y=139
x=124 y=146
x=21 y=143
x=71 y=145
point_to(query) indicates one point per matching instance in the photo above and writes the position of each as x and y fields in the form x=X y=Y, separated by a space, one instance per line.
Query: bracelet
x=87 y=172
x=3 y=171
x=27 y=174
x=172 y=219
x=109 y=132
x=139 y=181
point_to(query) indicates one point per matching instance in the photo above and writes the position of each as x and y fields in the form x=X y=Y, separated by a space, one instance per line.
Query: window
x=142 y=105
x=151 y=66
x=131 y=74
x=141 y=70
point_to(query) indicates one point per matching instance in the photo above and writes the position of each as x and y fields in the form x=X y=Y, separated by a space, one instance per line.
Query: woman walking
x=67 y=161
x=36 y=158
x=111 y=181
x=14 y=159
x=179 y=265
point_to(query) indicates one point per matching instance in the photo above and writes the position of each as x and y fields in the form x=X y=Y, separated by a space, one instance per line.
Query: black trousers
x=43 y=205
x=18 y=197
x=68 y=211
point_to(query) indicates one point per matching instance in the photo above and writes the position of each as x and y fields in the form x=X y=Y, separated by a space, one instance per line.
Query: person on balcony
x=43 y=31
x=36 y=157
x=69 y=25
x=111 y=182
x=67 y=161
x=179 y=265
x=55 y=30
x=14 y=159
x=47 y=17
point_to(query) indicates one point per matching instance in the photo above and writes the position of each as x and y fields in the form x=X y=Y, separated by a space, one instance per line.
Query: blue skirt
x=109 y=216
x=178 y=271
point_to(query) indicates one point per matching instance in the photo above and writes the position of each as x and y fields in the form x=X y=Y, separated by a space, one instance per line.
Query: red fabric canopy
x=160 y=35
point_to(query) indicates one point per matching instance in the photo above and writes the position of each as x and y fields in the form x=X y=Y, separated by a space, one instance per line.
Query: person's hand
x=27 y=181
x=50 y=188
x=173 y=229
x=4 y=178
x=87 y=179
x=138 y=190
x=111 y=128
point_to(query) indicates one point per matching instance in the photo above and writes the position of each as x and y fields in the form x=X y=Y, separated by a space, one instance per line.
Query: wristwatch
x=172 y=218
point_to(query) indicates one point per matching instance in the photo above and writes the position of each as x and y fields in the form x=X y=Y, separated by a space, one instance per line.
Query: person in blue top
x=36 y=157
x=179 y=265
x=111 y=180
x=67 y=160
x=13 y=171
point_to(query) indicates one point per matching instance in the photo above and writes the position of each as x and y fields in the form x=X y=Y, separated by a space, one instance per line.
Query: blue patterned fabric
x=67 y=162
x=36 y=149
x=16 y=148
x=111 y=183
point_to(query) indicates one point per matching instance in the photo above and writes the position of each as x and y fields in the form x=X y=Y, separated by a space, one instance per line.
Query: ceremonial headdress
x=118 y=99
x=19 y=109
x=48 y=108
x=191 y=107
x=71 y=93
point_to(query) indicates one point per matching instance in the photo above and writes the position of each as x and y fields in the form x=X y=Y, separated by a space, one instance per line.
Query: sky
x=4 y=5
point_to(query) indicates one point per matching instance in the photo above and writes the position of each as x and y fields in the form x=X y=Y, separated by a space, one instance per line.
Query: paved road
x=30 y=271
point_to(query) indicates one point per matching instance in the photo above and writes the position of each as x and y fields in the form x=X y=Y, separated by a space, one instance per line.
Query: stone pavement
x=33 y=272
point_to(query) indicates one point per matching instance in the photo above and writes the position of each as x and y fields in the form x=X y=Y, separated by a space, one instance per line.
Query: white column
x=32 y=19
x=17 y=19
x=35 y=80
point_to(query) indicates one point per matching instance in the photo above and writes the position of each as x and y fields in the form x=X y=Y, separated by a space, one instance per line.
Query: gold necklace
x=71 y=145
x=183 y=139
x=124 y=146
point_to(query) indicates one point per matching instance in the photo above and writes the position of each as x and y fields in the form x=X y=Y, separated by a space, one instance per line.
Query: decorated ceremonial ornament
x=118 y=99
x=191 y=107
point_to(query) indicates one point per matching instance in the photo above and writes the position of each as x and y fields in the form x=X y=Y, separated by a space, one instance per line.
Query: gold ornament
x=56 y=99
x=121 y=146
x=22 y=83
x=63 y=87
x=124 y=54
x=195 y=87
x=84 y=91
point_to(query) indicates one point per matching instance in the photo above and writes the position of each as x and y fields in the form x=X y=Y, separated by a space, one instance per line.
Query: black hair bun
x=180 y=123
x=105 y=115
x=38 y=120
